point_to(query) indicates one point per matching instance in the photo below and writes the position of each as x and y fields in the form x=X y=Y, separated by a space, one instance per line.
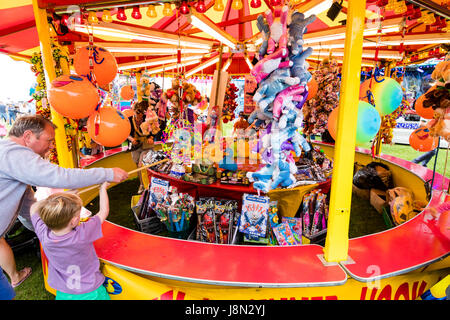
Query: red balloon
x=332 y=122
x=105 y=64
x=108 y=127
x=127 y=92
x=73 y=96
x=421 y=140
x=312 y=88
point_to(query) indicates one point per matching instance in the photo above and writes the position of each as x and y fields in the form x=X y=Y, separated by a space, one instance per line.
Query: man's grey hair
x=34 y=123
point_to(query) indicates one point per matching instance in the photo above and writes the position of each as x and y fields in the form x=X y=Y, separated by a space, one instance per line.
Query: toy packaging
x=254 y=215
x=284 y=235
x=234 y=177
x=206 y=227
x=314 y=213
x=296 y=225
x=158 y=191
x=175 y=210
x=273 y=222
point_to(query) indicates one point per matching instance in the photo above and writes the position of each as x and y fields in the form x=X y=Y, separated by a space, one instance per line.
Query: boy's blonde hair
x=58 y=209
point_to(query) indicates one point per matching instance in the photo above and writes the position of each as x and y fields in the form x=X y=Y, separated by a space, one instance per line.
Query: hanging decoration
x=229 y=104
x=326 y=82
x=121 y=14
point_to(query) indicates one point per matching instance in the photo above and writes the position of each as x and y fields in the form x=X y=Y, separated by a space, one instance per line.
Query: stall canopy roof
x=19 y=38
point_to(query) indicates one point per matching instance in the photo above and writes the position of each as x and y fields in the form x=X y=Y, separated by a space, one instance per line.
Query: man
x=22 y=166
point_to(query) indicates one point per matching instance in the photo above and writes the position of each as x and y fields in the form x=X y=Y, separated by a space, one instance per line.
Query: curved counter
x=399 y=250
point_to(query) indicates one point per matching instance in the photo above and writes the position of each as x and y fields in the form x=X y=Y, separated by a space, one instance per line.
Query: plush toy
x=441 y=73
x=262 y=118
x=284 y=173
x=293 y=93
x=278 y=36
x=297 y=27
x=270 y=63
x=440 y=125
x=190 y=94
x=151 y=123
x=264 y=28
x=277 y=26
x=299 y=67
x=278 y=80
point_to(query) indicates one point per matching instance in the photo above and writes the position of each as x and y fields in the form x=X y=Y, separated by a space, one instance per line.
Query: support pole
x=64 y=156
x=336 y=245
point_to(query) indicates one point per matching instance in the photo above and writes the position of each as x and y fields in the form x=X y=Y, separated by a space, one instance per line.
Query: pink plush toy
x=278 y=27
x=274 y=60
x=294 y=91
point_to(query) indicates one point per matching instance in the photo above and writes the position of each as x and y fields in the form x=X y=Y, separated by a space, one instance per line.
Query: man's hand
x=119 y=175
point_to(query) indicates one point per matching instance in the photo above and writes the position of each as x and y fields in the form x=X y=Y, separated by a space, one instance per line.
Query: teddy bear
x=441 y=73
x=151 y=123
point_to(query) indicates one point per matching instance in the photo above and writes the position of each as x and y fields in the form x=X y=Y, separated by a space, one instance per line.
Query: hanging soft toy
x=284 y=173
x=151 y=123
x=229 y=103
x=439 y=100
x=278 y=80
x=264 y=28
x=297 y=27
x=275 y=58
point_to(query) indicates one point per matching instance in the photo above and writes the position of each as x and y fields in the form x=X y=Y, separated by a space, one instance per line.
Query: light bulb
x=237 y=5
x=151 y=11
x=255 y=4
x=92 y=17
x=106 y=16
x=121 y=14
x=136 y=14
x=201 y=7
x=167 y=11
x=218 y=5
x=184 y=8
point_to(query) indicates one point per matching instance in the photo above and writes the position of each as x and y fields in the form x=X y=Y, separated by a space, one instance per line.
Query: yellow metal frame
x=336 y=245
x=64 y=156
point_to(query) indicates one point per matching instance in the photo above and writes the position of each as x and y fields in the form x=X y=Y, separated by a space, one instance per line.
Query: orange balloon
x=128 y=112
x=73 y=96
x=332 y=122
x=105 y=65
x=312 y=88
x=427 y=113
x=364 y=87
x=421 y=140
x=127 y=92
x=108 y=127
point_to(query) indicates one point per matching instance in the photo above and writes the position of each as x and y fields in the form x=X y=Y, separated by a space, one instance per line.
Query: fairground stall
x=263 y=119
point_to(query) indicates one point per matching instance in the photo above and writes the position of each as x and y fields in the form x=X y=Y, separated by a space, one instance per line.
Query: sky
x=16 y=79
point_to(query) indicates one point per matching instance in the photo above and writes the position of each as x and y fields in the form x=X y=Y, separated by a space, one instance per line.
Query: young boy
x=73 y=265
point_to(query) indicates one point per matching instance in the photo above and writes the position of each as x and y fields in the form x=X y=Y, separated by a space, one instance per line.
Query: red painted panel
x=415 y=243
x=215 y=263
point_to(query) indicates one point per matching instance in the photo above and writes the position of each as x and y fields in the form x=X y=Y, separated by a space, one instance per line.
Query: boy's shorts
x=99 y=294
x=6 y=290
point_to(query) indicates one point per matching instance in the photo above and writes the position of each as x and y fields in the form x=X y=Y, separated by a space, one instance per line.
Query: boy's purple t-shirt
x=73 y=265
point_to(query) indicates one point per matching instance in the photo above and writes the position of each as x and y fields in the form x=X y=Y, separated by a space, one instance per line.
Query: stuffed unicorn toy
x=297 y=27
x=278 y=81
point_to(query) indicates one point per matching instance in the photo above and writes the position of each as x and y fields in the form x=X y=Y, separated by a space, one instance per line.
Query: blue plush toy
x=299 y=68
x=284 y=173
x=297 y=28
x=278 y=80
x=264 y=28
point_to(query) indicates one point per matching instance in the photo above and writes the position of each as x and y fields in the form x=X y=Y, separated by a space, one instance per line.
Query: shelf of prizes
x=215 y=205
